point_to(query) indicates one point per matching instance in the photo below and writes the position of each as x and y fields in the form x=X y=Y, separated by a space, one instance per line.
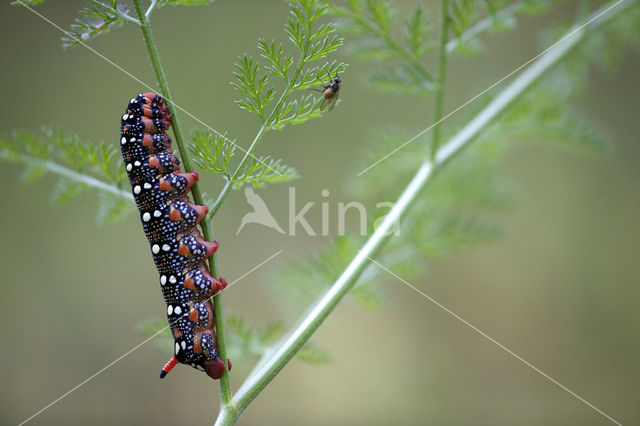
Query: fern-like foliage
x=375 y=21
x=101 y=16
x=468 y=199
x=295 y=71
x=469 y=19
x=263 y=170
x=79 y=166
x=303 y=282
x=94 y=21
x=251 y=340
x=215 y=153
x=405 y=45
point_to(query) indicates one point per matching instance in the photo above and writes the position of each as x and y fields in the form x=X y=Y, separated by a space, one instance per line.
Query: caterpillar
x=169 y=220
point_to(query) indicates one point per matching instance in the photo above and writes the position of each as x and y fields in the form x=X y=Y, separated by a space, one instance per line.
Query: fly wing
x=332 y=102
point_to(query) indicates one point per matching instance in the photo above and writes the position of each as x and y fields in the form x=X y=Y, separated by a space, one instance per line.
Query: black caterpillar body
x=169 y=220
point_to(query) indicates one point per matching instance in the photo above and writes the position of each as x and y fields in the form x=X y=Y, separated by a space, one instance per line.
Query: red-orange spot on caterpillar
x=183 y=250
x=174 y=214
x=188 y=283
x=197 y=348
x=164 y=185
x=154 y=162
x=193 y=315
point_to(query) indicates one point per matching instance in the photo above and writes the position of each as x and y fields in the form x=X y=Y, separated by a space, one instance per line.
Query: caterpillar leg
x=168 y=366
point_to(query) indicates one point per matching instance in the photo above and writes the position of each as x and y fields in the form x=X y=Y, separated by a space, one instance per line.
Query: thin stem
x=271 y=367
x=227 y=187
x=442 y=72
x=116 y=11
x=207 y=231
x=150 y=9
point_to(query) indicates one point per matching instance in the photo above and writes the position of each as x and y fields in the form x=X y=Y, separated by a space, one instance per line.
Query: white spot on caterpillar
x=125 y=116
x=123 y=140
x=129 y=167
x=132 y=140
x=178 y=311
x=166 y=247
x=169 y=309
x=183 y=344
x=155 y=249
x=147 y=185
x=172 y=279
x=137 y=164
x=133 y=101
x=163 y=279
x=137 y=189
x=157 y=213
x=146 y=217
x=177 y=348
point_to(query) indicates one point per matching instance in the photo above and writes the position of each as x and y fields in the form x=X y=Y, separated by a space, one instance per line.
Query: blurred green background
x=561 y=289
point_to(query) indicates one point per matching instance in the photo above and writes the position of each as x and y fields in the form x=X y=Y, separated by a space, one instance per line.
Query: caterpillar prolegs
x=169 y=220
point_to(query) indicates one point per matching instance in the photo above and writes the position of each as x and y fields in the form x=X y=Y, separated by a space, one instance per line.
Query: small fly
x=330 y=92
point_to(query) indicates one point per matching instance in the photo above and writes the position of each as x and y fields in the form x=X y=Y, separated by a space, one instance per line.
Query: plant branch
x=301 y=334
x=70 y=174
x=116 y=11
x=442 y=71
x=229 y=184
x=266 y=123
x=152 y=6
x=207 y=231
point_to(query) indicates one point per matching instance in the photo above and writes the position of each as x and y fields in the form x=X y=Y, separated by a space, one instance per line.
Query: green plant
x=467 y=195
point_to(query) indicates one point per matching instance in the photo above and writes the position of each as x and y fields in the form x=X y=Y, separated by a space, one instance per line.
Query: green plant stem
x=442 y=72
x=207 y=231
x=301 y=334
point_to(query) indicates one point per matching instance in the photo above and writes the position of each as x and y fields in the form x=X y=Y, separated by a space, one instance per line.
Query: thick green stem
x=292 y=344
x=442 y=72
x=207 y=231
